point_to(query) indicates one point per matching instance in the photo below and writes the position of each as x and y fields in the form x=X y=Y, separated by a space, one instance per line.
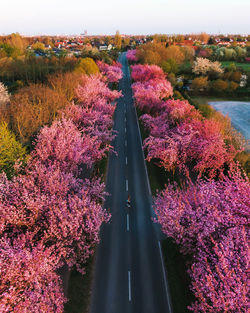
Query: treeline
x=206 y=207
x=51 y=209
x=27 y=69
x=21 y=64
x=35 y=105
x=188 y=68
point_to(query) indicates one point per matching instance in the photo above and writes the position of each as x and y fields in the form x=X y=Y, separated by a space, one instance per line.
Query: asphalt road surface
x=129 y=274
x=238 y=111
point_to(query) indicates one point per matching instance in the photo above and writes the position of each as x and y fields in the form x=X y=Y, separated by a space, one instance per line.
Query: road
x=239 y=112
x=129 y=274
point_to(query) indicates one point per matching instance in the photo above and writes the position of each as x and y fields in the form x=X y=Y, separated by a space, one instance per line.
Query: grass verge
x=178 y=278
x=79 y=290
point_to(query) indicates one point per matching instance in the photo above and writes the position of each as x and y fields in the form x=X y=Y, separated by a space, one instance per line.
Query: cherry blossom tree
x=210 y=221
x=131 y=56
x=209 y=216
x=146 y=72
x=112 y=72
x=25 y=271
x=49 y=215
x=191 y=145
x=93 y=88
x=52 y=206
x=149 y=94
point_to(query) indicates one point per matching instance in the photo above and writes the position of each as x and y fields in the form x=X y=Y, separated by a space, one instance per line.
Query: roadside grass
x=100 y=170
x=178 y=278
x=175 y=262
x=79 y=290
x=243 y=66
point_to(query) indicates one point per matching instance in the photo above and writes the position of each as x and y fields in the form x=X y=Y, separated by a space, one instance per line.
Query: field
x=244 y=66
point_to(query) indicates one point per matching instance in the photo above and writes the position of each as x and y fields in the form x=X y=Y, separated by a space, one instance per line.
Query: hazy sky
x=130 y=17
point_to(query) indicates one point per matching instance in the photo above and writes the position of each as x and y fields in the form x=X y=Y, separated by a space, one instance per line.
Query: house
x=104 y=47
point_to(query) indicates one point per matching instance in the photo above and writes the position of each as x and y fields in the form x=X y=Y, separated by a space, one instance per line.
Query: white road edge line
x=126 y=185
x=129 y=286
x=165 y=278
x=125 y=129
x=127 y=222
x=126 y=161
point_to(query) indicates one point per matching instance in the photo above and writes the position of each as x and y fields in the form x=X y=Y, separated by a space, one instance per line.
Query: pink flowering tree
x=146 y=72
x=113 y=72
x=131 y=56
x=93 y=88
x=50 y=216
x=149 y=94
x=55 y=209
x=62 y=144
x=209 y=220
x=29 y=282
x=193 y=147
x=96 y=123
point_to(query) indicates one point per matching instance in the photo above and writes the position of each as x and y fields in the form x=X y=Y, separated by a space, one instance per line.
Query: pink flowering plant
x=113 y=72
x=209 y=216
x=210 y=221
x=49 y=214
x=131 y=56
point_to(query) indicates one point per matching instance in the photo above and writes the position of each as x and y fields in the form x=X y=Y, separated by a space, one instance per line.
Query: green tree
x=170 y=66
x=10 y=150
x=87 y=66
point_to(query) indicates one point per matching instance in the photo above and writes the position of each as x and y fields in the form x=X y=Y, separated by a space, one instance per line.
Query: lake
x=239 y=112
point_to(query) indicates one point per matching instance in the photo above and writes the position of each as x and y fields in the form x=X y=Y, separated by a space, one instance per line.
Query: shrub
x=232 y=86
x=199 y=84
x=219 y=85
x=236 y=76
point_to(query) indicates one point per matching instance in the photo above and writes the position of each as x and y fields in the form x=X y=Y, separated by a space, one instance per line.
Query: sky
x=54 y=17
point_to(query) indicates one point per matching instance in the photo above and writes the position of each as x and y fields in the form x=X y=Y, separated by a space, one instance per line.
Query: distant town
x=73 y=45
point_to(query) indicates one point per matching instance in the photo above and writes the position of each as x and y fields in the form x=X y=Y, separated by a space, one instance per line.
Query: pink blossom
x=210 y=221
x=112 y=72
x=131 y=56
x=146 y=72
